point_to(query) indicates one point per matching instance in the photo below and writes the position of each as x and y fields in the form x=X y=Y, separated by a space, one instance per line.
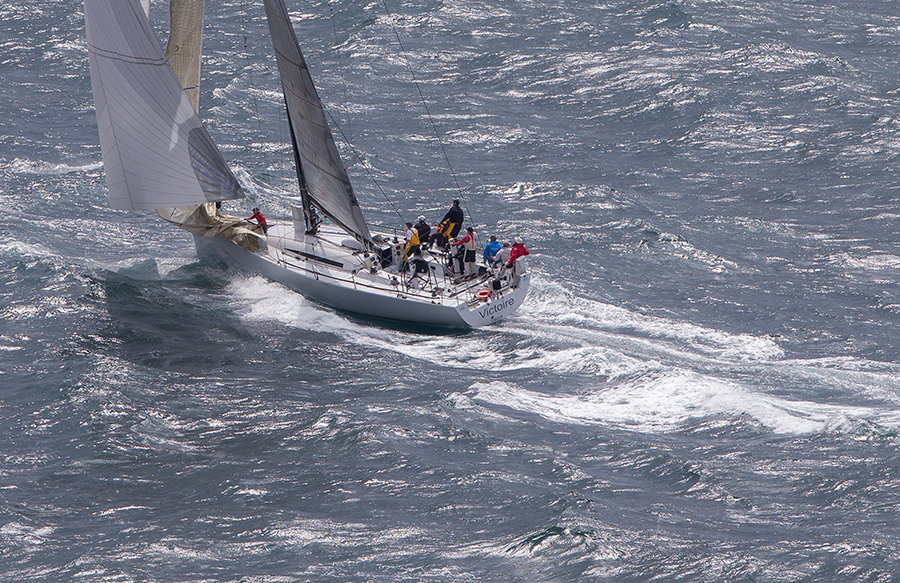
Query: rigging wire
x=281 y=131
x=424 y=103
x=335 y=123
x=344 y=136
x=364 y=164
x=243 y=11
x=337 y=52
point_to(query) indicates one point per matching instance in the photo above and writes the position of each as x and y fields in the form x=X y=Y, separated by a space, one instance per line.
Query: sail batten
x=156 y=152
x=323 y=173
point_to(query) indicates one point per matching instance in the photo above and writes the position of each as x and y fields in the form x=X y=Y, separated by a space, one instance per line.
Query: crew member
x=424 y=230
x=449 y=225
x=260 y=219
x=502 y=257
x=468 y=243
x=517 y=261
x=490 y=250
x=412 y=242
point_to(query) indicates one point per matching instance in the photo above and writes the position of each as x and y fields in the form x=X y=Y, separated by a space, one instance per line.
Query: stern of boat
x=487 y=308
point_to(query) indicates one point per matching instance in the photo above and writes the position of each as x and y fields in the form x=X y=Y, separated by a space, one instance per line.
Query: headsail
x=185 y=45
x=322 y=170
x=156 y=152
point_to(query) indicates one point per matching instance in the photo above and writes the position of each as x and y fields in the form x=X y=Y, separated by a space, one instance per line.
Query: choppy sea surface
x=701 y=386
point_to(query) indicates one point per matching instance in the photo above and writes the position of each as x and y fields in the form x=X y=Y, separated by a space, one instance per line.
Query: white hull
x=158 y=155
x=319 y=267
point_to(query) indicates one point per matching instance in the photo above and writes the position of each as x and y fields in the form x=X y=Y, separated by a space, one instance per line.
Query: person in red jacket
x=468 y=243
x=259 y=218
x=517 y=261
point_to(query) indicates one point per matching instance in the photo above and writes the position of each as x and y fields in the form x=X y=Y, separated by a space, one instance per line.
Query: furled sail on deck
x=156 y=152
x=322 y=170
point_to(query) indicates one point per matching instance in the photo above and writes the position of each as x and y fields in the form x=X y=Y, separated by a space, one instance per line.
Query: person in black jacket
x=449 y=226
x=424 y=230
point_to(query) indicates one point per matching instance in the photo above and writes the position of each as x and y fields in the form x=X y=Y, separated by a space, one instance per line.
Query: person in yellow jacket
x=412 y=242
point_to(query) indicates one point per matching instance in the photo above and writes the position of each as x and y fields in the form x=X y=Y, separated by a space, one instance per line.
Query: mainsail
x=320 y=167
x=156 y=152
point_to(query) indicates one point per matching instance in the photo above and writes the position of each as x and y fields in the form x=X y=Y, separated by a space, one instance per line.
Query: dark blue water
x=702 y=386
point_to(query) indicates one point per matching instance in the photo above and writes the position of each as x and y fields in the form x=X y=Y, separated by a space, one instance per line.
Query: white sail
x=156 y=152
x=322 y=171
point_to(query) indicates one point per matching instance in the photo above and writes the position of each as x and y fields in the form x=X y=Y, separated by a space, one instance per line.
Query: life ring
x=484 y=295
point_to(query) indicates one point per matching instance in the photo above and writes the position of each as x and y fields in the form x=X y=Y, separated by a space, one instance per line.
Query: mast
x=301 y=179
x=320 y=168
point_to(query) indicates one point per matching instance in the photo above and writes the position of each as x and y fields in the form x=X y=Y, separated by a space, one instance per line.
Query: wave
x=25 y=250
x=40 y=167
x=261 y=300
x=626 y=370
x=877 y=262
x=557 y=310
x=667 y=401
x=554 y=331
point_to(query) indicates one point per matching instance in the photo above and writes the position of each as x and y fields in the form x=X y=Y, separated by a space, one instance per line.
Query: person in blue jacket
x=490 y=250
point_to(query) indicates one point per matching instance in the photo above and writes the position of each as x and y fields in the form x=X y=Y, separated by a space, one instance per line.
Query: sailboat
x=158 y=155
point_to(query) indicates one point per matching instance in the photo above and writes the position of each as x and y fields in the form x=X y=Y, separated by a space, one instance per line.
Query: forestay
x=156 y=152
x=320 y=165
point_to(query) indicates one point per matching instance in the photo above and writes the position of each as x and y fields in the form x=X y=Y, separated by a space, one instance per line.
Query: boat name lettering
x=493 y=309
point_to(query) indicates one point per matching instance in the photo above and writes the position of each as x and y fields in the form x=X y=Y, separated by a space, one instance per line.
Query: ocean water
x=701 y=386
